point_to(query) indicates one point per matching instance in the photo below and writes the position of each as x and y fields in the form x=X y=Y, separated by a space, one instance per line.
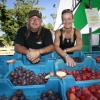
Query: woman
x=33 y=39
x=66 y=37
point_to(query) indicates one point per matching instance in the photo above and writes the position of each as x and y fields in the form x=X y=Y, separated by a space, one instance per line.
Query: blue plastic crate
x=17 y=55
x=70 y=82
x=88 y=62
x=42 y=58
x=45 y=67
x=76 y=55
x=33 y=92
x=9 y=57
x=4 y=69
x=92 y=54
x=6 y=57
x=53 y=55
x=27 y=62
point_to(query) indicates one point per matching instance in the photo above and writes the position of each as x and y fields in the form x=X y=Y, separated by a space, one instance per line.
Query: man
x=34 y=40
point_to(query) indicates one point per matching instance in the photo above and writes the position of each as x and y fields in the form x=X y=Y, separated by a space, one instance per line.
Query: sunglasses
x=66 y=10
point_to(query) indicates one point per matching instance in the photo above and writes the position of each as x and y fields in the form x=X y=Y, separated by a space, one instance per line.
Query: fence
x=7 y=50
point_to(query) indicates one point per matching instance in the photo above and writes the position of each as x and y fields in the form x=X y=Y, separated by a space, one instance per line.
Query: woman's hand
x=69 y=61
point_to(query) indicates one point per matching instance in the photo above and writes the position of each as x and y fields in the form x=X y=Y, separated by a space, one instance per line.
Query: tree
x=22 y=8
x=3 y=1
x=12 y=19
x=6 y=40
x=49 y=26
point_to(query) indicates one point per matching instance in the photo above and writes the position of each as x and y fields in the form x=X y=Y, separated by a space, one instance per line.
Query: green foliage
x=12 y=19
x=6 y=40
x=8 y=24
x=49 y=26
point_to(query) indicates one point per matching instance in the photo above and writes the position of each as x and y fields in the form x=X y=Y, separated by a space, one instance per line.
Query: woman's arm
x=69 y=61
x=57 y=43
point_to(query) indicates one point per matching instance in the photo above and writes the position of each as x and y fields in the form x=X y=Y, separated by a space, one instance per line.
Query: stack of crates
x=93 y=54
x=69 y=80
x=49 y=63
x=88 y=62
x=53 y=55
x=32 y=92
x=43 y=58
x=4 y=68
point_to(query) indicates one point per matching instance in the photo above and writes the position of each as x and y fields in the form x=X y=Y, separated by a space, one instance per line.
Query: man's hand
x=33 y=54
x=35 y=60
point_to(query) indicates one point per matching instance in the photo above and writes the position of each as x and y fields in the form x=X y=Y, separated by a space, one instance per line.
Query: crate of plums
x=50 y=91
x=77 y=56
x=85 y=71
x=25 y=75
x=82 y=90
x=4 y=64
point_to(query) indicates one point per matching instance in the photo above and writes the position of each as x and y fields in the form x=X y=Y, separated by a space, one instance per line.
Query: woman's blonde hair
x=67 y=11
x=64 y=34
x=63 y=29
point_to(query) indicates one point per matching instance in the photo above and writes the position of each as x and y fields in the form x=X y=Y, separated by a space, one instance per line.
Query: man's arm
x=21 y=49
x=47 y=49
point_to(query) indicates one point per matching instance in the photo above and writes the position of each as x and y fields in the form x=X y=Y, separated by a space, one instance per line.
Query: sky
x=47 y=4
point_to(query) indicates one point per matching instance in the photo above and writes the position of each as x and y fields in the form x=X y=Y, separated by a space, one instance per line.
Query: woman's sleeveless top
x=66 y=43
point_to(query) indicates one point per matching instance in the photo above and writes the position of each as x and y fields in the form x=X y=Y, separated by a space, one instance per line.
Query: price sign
x=92 y=17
